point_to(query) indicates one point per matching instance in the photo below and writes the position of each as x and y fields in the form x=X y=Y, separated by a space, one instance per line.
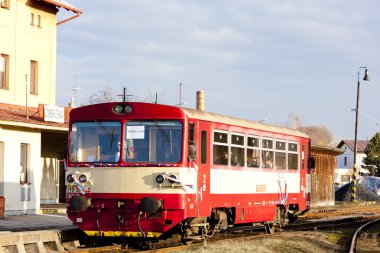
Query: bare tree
x=319 y=134
x=294 y=121
x=103 y=96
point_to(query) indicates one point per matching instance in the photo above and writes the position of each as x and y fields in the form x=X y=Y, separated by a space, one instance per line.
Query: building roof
x=361 y=144
x=15 y=115
x=63 y=4
x=326 y=150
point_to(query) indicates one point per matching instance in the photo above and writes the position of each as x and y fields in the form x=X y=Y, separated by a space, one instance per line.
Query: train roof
x=169 y=111
x=208 y=116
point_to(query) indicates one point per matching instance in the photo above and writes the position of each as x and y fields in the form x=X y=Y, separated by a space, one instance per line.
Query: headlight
x=70 y=178
x=160 y=179
x=128 y=109
x=172 y=179
x=118 y=109
x=82 y=178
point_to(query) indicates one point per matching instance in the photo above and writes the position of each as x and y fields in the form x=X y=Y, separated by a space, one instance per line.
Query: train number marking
x=204 y=182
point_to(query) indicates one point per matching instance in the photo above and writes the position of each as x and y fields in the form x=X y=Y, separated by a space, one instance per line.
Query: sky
x=257 y=60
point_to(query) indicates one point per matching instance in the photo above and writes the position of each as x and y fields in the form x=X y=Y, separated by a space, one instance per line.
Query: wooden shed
x=322 y=176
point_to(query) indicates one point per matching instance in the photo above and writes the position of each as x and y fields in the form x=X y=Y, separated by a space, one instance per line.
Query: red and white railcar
x=150 y=170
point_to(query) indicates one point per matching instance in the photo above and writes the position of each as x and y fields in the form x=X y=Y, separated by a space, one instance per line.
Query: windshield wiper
x=161 y=130
x=110 y=133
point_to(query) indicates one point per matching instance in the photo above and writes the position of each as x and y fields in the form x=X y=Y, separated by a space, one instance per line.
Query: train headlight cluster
x=122 y=109
x=166 y=179
x=79 y=177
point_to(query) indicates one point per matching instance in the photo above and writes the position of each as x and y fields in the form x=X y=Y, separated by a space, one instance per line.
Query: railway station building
x=33 y=130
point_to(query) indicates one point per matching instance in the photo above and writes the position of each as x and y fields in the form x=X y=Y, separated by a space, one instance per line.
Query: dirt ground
x=291 y=242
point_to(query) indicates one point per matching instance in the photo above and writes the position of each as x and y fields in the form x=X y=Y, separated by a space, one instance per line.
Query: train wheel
x=270 y=228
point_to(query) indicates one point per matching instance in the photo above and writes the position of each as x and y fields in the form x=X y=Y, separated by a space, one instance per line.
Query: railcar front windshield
x=156 y=141
x=96 y=141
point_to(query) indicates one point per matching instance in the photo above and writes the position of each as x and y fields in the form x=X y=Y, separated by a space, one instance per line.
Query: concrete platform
x=42 y=232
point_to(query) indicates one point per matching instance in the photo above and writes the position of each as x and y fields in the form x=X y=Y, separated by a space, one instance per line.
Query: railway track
x=366 y=233
x=240 y=235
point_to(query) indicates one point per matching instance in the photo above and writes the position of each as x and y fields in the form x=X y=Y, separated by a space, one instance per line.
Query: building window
x=4 y=71
x=24 y=162
x=33 y=77
x=4 y=4
x=345 y=161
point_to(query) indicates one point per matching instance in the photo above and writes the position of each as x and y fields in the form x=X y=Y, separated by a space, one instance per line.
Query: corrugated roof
x=361 y=144
x=15 y=115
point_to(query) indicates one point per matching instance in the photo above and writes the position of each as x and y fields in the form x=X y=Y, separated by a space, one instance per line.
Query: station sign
x=54 y=113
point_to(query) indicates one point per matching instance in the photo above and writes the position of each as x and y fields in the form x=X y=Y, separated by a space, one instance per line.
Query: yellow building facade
x=31 y=144
x=28 y=33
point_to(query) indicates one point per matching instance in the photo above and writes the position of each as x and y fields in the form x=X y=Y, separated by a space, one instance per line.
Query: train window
x=292 y=156
x=204 y=147
x=267 y=143
x=253 y=152
x=253 y=142
x=221 y=137
x=96 y=141
x=267 y=153
x=191 y=133
x=237 y=150
x=303 y=156
x=280 y=155
x=220 y=148
x=153 y=141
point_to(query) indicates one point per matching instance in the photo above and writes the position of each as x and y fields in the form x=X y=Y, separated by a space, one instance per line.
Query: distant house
x=346 y=160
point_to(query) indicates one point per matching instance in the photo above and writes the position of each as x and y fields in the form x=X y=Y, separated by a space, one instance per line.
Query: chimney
x=201 y=100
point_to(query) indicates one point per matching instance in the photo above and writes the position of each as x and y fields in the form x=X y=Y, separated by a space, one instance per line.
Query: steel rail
x=354 y=237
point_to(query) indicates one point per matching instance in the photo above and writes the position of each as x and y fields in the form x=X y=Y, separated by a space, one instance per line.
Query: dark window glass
x=280 y=145
x=237 y=140
x=253 y=142
x=220 y=137
x=267 y=143
x=204 y=147
x=292 y=147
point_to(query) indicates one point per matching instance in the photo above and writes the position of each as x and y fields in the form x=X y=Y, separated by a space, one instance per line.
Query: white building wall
x=11 y=139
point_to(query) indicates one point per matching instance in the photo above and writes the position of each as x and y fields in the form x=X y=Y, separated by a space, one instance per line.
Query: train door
x=199 y=136
x=203 y=157
x=304 y=173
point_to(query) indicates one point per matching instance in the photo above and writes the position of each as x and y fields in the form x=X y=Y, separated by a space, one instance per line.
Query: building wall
x=349 y=154
x=25 y=42
x=52 y=181
x=20 y=198
x=322 y=179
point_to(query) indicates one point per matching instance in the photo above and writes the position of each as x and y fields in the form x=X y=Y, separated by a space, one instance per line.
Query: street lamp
x=366 y=78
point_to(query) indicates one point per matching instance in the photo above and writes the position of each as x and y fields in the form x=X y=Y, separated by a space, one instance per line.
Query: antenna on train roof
x=125 y=95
